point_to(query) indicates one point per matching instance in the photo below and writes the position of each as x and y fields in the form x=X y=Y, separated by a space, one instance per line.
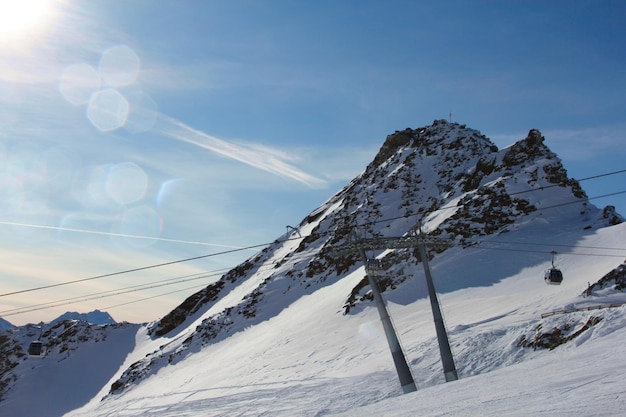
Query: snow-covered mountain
x=293 y=330
x=451 y=179
x=93 y=317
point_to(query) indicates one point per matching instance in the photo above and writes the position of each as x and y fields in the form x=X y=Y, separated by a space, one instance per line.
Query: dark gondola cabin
x=36 y=349
x=554 y=276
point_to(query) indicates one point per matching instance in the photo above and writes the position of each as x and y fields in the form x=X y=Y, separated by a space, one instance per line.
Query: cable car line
x=132 y=270
x=153 y=296
x=125 y=290
x=144 y=286
x=289 y=239
x=96 y=232
x=406 y=216
x=247 y=248
x=119 y=291
x=59 y=303
x=574 y=202
x=602 y=175
x=178 y=280
x=545 y=244
x=578 y=180
x=138 y=287
x=543 y=251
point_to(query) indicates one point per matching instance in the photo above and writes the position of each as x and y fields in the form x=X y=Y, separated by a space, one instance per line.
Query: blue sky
x=208 y=126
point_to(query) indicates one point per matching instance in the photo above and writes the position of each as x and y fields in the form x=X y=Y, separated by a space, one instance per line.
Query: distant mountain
x=5 y=325
x=94 y=317
x=61 y=384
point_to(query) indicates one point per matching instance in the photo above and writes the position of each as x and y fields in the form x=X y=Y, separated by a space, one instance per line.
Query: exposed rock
x=556 y=336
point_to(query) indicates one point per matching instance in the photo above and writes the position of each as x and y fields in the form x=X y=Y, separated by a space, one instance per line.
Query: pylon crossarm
x=402 y=242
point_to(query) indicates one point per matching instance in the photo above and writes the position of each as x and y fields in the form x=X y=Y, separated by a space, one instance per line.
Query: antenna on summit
x=450 y=117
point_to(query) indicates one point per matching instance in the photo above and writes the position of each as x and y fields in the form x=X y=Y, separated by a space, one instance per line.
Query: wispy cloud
x=263 y=158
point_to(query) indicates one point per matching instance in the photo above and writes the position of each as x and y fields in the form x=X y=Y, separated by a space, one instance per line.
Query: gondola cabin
x=553 y=276
x=36 y=349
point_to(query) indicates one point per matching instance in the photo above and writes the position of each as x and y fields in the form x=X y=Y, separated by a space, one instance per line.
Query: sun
x=21 y=18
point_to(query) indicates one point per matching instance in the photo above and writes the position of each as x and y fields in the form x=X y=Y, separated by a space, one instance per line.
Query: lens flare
x=126 y=183
x=108 y=110
x=119 y=66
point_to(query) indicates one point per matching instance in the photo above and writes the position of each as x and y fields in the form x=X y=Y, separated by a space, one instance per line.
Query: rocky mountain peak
x=439 y=138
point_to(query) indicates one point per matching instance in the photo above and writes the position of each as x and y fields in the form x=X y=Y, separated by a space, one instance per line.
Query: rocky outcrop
x=614 y=279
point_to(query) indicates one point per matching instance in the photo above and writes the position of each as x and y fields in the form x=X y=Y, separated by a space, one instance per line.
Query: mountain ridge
x=93 y=317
